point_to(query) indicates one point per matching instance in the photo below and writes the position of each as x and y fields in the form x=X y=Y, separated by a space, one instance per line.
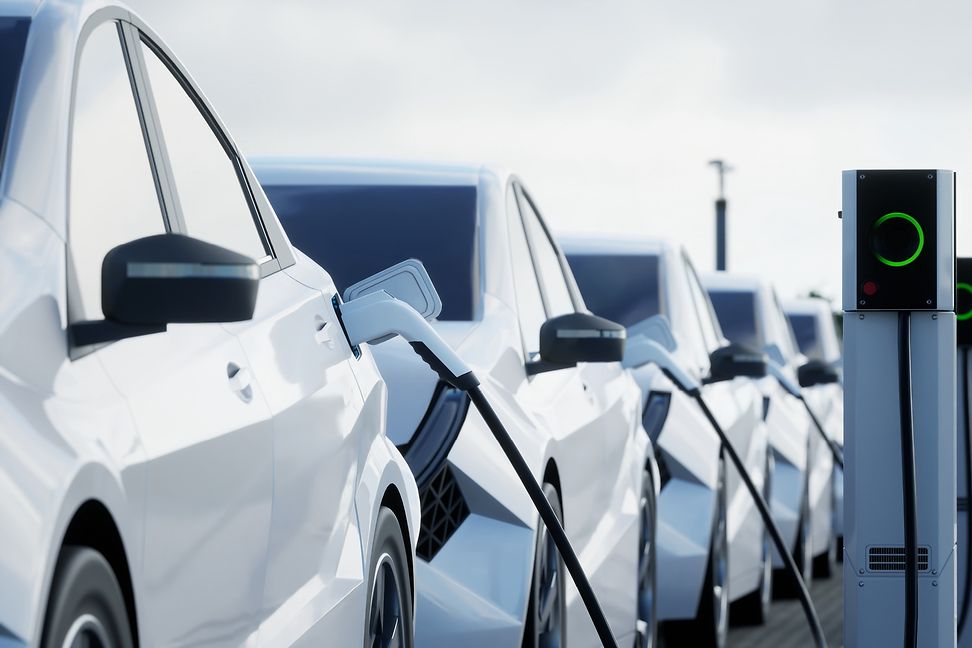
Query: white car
x=191 y=453
x=803 y=501
x=712 y=547
x=501 y=277
x=812 y=321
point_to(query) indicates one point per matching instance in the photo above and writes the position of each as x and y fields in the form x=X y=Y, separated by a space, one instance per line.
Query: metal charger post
x=900 y=405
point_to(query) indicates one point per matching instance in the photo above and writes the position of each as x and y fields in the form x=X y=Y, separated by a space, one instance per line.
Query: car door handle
x=239 y=381
x=323 y=334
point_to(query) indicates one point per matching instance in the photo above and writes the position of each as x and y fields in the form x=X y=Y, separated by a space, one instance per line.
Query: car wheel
x=785 y=585
x=753 y=609
x=647 y=581
x=390 y=623
x=86 y=607
x=546 y=621
x=825 y=565
x=710 y=627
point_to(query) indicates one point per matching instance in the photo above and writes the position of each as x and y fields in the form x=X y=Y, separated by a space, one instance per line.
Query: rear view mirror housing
x=734 y=360
x=567 y=340
x=817 y=372
x=165 y=279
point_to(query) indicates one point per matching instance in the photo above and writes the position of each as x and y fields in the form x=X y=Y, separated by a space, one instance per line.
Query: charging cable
x=657 y=354
x=794 y=390
x=376 y=317
x=909 y=491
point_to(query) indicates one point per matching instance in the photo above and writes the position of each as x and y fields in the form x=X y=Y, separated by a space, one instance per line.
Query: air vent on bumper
x=443 y=510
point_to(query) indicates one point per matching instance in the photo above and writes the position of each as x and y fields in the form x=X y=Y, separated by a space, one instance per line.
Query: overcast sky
x=610 y=110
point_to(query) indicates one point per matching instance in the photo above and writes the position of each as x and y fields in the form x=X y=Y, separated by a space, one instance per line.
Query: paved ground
x=787 y=627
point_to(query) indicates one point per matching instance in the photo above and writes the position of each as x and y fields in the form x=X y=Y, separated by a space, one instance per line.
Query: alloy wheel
x=550 y=593
x=385 y=618
x=720 y=558
x=647 y=613
x=87 y=631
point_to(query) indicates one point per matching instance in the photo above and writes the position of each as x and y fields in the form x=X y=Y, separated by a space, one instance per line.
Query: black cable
x=811 y=613
x=909 y=492
x=967 y=589
x=834 y=449
x=547 y=514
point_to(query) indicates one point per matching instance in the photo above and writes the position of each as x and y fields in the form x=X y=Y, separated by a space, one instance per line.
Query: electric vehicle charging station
x=963 y=324
x=900 y=407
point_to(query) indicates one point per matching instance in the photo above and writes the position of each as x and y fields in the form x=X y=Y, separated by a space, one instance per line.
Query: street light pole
x=720 y=208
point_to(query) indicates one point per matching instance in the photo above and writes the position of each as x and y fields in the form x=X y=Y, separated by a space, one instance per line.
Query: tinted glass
x=113 y=197
x=737 y=316
x=548 y=264
x=529 y=303
x=214 y=201
x=805 y=329
x=13 y=35
x=710 y=332
x=355 y=231
x=622 y=288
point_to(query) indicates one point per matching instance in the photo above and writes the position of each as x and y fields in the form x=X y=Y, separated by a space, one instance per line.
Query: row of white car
x=194 y=452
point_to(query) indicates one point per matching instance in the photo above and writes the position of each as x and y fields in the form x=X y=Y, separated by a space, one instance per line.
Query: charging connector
x=376 y=317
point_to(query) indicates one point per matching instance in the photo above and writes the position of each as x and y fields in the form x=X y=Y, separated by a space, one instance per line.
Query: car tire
x=546 y=622
x=647 y=630
x=710 y=627
x=390 y=622
x=784 y=584
x=753 y=609
x=86 y=605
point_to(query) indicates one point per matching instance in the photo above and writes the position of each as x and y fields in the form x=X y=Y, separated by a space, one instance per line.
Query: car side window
x=529 y=303
x=215 y=201
x=547 y=262
x=707 y=320
x=112 y=196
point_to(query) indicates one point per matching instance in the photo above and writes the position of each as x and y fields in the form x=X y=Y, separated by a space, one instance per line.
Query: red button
x=869 y=288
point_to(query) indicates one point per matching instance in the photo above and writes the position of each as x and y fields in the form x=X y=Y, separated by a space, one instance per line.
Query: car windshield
x=621 y=287
x=736 y=310
x=354 y=231
x=805 y=329
x=13 y=36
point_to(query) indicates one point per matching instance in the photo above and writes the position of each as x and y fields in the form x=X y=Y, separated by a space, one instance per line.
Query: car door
x=581 y=410
x=300 y=359
x=203 y=425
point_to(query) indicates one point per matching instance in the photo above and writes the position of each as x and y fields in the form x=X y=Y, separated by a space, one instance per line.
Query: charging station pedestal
x=963 y=317
x=898 y=255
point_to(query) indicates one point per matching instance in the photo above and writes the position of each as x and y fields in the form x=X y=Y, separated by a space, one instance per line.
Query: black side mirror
x=734 y=360
x=578 y=337
x=169 y=278
x=816 y=372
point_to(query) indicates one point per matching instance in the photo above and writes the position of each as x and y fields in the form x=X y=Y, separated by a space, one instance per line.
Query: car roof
x=322 y=170
x=807 y=306
x=584 y=243
x=19 y=8
x=724 y=281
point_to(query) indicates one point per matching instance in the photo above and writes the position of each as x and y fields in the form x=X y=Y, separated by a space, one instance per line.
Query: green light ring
x=967 y=288
x=921 y=238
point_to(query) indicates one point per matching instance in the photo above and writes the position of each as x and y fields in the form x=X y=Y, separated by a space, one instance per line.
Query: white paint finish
x=586 y=420
x=178 y=449
x=208 y=471
x=317 y=446
x=687 y=442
